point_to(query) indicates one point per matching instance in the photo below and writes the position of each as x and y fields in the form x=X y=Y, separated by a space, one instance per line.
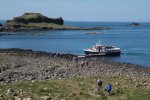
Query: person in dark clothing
x=99 y=82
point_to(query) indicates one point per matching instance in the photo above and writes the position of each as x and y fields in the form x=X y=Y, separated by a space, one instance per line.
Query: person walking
x=99 y=83
x=108 y=88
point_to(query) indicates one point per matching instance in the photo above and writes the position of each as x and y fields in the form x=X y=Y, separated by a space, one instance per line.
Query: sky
x=80 y=10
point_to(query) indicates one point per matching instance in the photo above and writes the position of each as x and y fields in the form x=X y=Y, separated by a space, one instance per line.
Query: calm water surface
x=133 y=41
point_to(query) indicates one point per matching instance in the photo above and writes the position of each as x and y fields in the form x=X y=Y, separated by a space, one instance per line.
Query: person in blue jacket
x=108 y=88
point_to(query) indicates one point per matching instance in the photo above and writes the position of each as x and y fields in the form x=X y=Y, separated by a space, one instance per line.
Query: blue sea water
x=133 y=41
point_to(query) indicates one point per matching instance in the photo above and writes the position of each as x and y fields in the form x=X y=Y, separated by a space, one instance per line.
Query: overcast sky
x=80 y=10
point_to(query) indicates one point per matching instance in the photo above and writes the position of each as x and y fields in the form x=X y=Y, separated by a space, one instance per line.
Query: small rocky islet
x=37 y=21
x=135 y=24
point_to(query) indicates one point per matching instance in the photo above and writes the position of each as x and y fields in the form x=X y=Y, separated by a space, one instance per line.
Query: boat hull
x=113 y=54
x=102 y=53
x=89 y=52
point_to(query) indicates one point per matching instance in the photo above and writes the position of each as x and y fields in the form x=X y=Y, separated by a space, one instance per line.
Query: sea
x=133 y=41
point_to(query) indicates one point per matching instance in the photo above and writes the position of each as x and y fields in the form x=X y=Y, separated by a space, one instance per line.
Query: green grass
x=80 y=89
x=49 y=25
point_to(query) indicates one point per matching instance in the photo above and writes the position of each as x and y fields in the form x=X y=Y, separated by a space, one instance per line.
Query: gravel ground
x=17 y=65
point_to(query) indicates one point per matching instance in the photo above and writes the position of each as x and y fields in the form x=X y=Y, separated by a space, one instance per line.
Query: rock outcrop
x=36 y=18
x=33 y=21
x=134 y=24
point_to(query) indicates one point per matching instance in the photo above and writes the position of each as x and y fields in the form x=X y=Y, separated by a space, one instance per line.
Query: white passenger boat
x=103 y=50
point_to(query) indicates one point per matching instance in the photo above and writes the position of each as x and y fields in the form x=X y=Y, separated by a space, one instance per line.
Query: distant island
x=134 y=24
x=37 y=21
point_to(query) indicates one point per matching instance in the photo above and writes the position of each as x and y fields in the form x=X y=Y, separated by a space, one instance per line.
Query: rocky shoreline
x=3 y=29
x=18 y=65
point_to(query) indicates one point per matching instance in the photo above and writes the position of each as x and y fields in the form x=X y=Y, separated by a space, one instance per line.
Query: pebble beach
x=18 y=65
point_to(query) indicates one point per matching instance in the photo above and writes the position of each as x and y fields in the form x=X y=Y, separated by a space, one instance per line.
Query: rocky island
x=134 y=24
x=37 y=21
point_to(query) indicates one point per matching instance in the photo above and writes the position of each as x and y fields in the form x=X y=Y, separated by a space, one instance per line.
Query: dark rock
x=134 y=24
x=1 y=25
